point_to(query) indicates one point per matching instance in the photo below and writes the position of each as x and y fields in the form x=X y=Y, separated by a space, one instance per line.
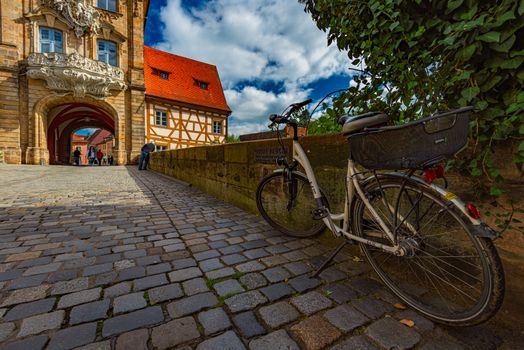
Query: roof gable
x=181 y=85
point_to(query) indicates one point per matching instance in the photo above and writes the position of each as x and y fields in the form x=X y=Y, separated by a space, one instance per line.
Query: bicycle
x=428 y=246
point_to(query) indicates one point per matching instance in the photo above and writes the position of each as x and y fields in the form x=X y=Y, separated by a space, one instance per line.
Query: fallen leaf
x=408 y=323
x=399 y=306
x=357 y=259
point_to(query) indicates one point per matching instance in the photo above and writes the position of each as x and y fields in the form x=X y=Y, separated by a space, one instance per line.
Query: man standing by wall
x=144 y=155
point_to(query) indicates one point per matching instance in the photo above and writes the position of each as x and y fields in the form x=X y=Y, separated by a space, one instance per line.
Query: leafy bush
x=419 y=56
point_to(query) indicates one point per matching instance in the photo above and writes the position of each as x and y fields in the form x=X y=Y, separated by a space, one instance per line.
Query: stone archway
x=53 y=114
x=68 y=118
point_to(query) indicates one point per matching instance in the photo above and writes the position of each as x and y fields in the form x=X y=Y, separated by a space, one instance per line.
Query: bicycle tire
x=272 y=200
x=479 y=263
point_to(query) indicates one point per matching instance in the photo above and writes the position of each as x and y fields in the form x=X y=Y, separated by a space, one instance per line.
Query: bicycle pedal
x=319 y=213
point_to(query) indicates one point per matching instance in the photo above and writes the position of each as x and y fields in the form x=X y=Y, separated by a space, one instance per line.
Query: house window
x=160 y=148
x=51 y=40
x=109 y=5
x=160 y=118
x=106 y=52
x=162 y=74
x=201 y=84
x=217 y=127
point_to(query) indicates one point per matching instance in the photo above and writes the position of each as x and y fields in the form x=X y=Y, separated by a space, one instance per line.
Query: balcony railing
x=76 y=74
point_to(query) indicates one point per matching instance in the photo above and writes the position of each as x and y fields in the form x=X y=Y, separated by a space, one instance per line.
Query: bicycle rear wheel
x=288 y=213
x=450 y=275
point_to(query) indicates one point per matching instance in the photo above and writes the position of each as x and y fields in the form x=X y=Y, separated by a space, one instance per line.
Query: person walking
x=144 y=155
x=110 y=159
x=91 y=155
x=76 y=155
x=99 y=156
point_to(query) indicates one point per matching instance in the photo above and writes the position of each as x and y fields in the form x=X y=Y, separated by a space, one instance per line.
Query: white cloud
x=252 y=107
x=255 y=40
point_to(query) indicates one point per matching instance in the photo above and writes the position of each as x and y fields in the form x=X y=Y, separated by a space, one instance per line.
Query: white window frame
x=161 y=148
x=51 y=41
x=104 y=55
x=218 y=126
x=161 y=118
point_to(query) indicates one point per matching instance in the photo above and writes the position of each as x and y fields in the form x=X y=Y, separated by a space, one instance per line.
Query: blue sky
x=269 y=53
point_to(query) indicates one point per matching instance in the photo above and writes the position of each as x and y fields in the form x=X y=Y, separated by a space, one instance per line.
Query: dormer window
x=201 y=84
x=162 y=74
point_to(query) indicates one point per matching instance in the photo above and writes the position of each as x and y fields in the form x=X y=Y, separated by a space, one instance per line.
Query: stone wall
x=231 y=172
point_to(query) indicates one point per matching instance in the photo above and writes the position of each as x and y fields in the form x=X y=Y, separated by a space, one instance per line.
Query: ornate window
x=109 y=5
x=217 y=127
x=160 y=118
x=106 y=52
x=51 y=40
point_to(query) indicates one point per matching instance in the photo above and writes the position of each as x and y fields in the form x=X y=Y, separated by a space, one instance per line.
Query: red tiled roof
x=78 y=138
x=99 y=136
x=181 y=83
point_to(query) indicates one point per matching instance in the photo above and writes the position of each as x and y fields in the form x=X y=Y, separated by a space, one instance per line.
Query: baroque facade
x=67 y=65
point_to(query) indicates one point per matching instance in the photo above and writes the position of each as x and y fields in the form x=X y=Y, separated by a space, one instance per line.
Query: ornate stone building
x=67 y=65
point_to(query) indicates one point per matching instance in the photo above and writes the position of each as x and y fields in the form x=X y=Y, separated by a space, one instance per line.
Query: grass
x=99 y=327
x=146 y=297
x=200 y=328
x=210 y=282
x=222 y=299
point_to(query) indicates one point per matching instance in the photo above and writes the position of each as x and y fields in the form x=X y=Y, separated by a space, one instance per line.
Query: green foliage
x=232 y=139
x=420 y=56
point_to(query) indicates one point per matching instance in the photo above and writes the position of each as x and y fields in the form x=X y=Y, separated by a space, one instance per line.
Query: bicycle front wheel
x=287 y=204
x=448 y=274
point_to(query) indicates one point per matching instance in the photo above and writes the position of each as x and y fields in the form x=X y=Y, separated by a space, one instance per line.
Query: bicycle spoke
x=450 y=284
x=443 y=272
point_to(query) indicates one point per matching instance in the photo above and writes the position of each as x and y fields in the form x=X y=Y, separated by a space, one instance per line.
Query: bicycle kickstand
x=328 y=260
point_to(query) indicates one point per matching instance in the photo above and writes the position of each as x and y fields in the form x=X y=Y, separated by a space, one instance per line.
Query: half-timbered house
x=185 y=103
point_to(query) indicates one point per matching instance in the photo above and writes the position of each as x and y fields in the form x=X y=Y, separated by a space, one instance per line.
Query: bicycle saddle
x=351 y=124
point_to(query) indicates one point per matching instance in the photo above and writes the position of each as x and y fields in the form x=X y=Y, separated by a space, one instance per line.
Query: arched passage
x=65 y=119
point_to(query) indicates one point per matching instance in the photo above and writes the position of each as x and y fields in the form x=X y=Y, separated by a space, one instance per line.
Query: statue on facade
x=81 y=15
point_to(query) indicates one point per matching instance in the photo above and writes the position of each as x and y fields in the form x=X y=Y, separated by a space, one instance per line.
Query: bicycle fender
x=478 y=228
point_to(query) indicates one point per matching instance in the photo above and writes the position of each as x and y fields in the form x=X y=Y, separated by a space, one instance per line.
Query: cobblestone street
x=113 y=258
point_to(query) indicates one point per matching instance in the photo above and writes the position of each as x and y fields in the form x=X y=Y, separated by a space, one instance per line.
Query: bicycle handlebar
x=296 y=106
x=282 y=119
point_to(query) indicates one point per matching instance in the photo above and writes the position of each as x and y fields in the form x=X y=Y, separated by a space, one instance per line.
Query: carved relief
x=80 y=15
x=108 y=16
x=137 y=8
x=75 y=73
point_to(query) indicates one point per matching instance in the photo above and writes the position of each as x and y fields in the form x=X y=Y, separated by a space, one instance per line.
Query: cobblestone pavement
x=112 y=258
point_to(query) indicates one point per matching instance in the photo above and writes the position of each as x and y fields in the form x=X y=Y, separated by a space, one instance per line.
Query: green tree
x=419 y=56
x=232 y=139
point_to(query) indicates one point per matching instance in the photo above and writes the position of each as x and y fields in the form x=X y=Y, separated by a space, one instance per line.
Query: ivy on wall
x=414 y=57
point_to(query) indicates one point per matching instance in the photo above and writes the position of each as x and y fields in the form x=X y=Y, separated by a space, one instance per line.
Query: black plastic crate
x=414 y=145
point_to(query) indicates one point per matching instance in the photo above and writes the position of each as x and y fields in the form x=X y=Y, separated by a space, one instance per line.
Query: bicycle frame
x=353 y=187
